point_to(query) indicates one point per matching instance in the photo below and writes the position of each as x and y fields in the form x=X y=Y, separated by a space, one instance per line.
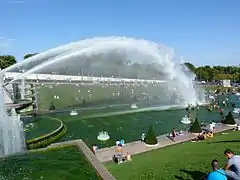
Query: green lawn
x=183 y=161
x=59 y=164
x=72 y=95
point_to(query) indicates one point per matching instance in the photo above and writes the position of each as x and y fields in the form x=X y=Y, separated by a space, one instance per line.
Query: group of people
x=119 y=157
x=231 y=171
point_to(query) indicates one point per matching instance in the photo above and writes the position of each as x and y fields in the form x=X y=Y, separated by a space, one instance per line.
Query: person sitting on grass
x=237 y=128
x=209 y=135
x=232 y=168
x=119 y=152
x=200 y=137
x=217 y=173
x=128 y=157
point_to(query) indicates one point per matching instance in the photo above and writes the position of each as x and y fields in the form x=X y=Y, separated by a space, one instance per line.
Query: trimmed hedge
x=195 y=128
x=47 y=139
x=52 y=107
x=229 y=119
x=151 y=138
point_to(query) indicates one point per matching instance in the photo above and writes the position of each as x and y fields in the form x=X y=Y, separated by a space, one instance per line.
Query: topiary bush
x=151 y=138
x=196 y=128
x=229 y=119
x=52 y=107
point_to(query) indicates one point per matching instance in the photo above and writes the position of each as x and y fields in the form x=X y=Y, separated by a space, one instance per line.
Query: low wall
x=39 y=142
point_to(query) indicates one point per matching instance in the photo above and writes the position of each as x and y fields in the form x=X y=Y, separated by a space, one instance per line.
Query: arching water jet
x=120 y=55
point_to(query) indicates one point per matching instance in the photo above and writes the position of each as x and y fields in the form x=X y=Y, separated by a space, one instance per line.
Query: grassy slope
x=59 y=164
x=188 y=160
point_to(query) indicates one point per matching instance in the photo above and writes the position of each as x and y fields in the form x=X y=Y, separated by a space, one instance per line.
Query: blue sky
x=203 y=31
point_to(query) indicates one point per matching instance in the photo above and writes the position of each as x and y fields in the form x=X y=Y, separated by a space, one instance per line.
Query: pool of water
x=124 y=122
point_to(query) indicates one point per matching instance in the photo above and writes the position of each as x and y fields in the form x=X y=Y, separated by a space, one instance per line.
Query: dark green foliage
x=6 y=61
x=151 y=138
x=46 y=141
x=29 y=55
x=196 y=128
x=229 y=119
x=52 y=107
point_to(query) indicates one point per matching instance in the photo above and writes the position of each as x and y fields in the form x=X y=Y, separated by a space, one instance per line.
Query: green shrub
x=229 y=119
x=49 y=140
x=52 y=107
x=196 y=128
x=151 y=138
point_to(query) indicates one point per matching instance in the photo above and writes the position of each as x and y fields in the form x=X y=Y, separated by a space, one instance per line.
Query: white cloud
x=6 y=44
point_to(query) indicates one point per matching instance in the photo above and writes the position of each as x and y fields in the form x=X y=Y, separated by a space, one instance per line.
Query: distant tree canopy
x=6 y=61
x=29 y=55
x=207 y=73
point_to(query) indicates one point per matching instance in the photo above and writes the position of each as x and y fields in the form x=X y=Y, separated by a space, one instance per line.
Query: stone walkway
x=137 y=147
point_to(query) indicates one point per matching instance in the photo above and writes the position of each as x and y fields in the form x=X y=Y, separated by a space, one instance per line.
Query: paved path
x=137 y=147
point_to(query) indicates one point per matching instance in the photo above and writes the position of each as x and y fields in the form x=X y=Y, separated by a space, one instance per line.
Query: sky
x=204 y=32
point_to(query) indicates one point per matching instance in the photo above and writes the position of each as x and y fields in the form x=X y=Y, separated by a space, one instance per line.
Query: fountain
x=134 y=106
x=12 y=139
x=103 y=136
x=236 y=110
x=185 y=120
x=73 y=113
x=132 y=58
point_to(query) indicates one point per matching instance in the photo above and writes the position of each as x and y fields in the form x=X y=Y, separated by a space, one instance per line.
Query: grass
x=100 y=95
x=183 y=161
x=59 y=164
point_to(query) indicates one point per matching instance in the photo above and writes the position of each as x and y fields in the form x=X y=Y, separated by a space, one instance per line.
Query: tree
x=151 y=138
x=196 y=128
x=52 y=107
x=29 y=55
x=6 y=61
x=190 y=66
x=229 y=119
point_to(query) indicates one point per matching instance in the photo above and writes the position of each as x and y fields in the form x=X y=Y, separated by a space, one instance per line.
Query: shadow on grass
x=232 y=141
x=196 y=175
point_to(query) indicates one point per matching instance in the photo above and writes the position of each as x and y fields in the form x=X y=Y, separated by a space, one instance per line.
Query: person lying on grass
x=232 y=168
x=203 y=136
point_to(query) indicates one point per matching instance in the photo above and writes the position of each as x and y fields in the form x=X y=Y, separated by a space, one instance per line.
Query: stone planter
x=152 y=145
x=231 y=125
x=196 y=134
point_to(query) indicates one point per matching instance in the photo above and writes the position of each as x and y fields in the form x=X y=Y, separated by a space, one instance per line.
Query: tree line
x=203 y=73
x=215 y=73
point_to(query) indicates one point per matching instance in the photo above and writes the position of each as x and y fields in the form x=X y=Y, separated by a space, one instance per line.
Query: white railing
x=13 y=75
